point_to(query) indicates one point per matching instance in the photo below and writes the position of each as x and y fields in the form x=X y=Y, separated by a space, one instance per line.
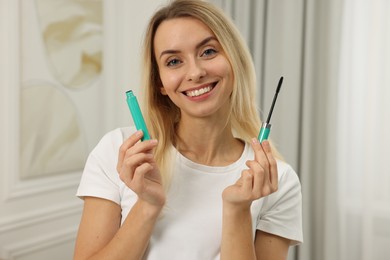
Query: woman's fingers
x=130 y=164
x=128 y=143
x=147 y=185
x=264 y=169
x=273 y=168
x=258 y=178
x=132 y=146
x=260 y=155
x=133 y=154
x=139 y=177
x=247 y=181
x=138 y=170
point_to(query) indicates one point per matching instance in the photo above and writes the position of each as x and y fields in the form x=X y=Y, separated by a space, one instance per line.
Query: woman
x=204 y=188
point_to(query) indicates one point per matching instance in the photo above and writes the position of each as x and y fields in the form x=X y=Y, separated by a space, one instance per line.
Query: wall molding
x=32 y=218
x=17 y=189
x=38 y=243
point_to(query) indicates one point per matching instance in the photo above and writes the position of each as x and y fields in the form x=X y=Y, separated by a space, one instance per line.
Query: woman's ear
x=162 y=91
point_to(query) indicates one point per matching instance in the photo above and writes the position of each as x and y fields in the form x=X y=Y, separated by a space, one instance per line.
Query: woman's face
x=194 y=70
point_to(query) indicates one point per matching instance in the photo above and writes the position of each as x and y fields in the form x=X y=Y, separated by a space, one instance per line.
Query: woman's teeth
x=198 y=92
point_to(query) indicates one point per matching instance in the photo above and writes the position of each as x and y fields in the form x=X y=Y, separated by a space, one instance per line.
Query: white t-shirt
x=191 y=223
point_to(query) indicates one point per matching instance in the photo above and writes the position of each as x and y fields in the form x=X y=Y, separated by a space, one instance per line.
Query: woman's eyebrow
x=169 y=52
x=203 y=42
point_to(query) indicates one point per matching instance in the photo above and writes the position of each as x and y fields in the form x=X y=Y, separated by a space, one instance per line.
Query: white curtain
x=346 y=127
x=363 y=99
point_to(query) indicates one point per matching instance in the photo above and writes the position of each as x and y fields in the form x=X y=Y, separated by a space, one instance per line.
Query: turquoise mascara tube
x=136 y=114
x=266 y=126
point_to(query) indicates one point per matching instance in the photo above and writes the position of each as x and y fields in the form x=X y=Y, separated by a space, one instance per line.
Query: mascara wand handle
x=264 y=132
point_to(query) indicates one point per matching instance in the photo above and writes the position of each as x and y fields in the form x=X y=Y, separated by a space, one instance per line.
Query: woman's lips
x=200 y=91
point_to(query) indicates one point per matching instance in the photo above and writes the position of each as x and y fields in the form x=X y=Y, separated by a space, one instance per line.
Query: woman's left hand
x=260 y=180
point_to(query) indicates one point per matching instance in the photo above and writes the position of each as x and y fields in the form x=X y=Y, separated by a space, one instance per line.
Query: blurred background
x=66 y=64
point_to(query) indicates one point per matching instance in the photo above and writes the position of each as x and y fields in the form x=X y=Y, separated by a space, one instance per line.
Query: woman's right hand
x=138 y=170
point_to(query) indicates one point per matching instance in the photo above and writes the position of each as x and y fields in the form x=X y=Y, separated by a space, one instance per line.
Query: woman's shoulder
x=114 y=139
x=284 y=166
x=287 y=174
x=100 y=177
x=118 y=135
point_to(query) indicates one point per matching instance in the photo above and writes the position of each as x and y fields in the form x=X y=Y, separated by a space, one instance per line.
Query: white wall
x=39 y=217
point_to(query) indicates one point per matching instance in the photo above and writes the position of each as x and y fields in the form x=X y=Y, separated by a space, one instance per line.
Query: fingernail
x=138 y=133
x=266 y=145
x=255 y=141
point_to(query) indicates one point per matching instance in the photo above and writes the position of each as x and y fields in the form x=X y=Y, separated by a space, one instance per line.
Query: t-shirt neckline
x=214 y=169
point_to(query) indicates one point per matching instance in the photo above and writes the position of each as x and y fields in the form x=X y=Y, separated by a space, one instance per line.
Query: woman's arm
x=271 y=247
x=100 y=234
x=101 y=237
x=260 y=180
x=237 y=239
x=240 y=242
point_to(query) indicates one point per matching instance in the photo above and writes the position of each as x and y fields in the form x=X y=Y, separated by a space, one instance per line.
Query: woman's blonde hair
x=162 y=115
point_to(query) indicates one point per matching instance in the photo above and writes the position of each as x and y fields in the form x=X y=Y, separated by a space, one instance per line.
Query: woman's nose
x=195 y=71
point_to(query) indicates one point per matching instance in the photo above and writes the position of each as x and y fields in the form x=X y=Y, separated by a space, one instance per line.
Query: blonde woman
x=204 y=187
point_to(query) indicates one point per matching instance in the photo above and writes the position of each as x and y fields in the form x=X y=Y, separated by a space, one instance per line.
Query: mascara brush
x=266 y=126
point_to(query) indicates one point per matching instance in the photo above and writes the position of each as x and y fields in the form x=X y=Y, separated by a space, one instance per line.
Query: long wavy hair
x=162 y=115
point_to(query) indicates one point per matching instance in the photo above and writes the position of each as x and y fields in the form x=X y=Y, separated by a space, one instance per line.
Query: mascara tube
x=264 y=132
x=136 y=114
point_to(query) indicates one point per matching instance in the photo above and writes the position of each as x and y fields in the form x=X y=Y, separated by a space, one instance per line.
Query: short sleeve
x=100 y=177
x=281 y=213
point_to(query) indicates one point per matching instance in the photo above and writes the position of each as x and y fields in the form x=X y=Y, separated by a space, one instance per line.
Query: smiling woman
x=194 y=70
x=203 y=169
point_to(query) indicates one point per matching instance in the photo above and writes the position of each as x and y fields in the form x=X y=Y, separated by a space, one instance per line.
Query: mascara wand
x=266 y=126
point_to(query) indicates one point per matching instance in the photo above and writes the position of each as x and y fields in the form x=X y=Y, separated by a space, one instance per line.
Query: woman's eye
x=173 y=62
x=209 y=52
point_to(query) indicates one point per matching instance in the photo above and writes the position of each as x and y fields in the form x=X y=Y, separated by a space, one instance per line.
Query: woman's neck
x=208 y=142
